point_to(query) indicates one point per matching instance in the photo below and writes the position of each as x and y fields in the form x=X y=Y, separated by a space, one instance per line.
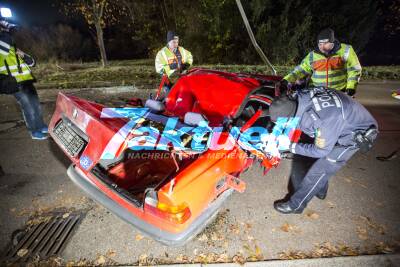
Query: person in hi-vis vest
x=16 y=78
x=172 y=59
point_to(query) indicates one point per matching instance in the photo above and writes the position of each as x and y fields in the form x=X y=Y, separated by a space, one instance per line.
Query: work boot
x=284 y=207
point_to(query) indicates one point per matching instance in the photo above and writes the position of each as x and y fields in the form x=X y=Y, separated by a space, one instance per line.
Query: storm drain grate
x=46 y=238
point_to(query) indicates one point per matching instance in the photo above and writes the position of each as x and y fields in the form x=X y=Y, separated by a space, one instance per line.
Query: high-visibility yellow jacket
x=12 y=63
x=340 y=70
x=166 y=58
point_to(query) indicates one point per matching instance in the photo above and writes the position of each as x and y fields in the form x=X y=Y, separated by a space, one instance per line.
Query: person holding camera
x=16 y=78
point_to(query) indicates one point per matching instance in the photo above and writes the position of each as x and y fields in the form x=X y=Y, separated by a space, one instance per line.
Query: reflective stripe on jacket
x=338 y=71
x=11 y=63
x=165 y=58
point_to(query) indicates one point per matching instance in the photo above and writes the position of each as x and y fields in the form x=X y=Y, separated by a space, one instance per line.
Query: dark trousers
x=28 y=100
x=310 y=176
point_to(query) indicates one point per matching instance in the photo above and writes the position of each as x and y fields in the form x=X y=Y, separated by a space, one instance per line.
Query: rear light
x=177 y=214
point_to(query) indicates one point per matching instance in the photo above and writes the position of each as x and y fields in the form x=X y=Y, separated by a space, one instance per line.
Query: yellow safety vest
x=165 y=57
x=338 y=71
x=11 y=63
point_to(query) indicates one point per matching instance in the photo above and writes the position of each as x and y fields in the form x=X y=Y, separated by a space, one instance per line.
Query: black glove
x=286 y=155
x=185 y=66
x=283 y=87
x=173 y=66
x=350 y=91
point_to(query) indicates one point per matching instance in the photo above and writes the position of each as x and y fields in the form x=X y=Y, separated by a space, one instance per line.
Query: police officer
x=16 y=78
x=331 y=64
x=339 y=126
x=172 y=58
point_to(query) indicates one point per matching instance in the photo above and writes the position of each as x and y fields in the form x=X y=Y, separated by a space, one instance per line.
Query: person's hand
x=286 y=155
x=20 y=53
x=185 y=66
x=283 y=87
x=173 y=66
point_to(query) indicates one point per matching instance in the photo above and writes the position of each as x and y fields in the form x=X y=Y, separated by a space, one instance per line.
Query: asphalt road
x=361 y=214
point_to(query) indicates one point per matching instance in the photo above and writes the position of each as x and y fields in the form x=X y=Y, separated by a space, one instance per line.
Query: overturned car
x=167 y=167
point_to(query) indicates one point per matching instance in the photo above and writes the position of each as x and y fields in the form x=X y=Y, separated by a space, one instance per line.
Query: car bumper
x=167 y=238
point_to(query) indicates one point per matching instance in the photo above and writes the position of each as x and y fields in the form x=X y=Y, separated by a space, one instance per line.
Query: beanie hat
x=171 y=36
x=326 y=35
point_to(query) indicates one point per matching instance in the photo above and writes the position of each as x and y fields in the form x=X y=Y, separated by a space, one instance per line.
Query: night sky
x=35 y=12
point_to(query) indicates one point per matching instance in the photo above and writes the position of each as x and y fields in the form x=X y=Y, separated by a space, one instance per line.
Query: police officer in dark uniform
x=339 y=126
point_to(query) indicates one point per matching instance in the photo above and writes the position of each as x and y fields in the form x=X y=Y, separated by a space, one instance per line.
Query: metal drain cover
x=45 y=238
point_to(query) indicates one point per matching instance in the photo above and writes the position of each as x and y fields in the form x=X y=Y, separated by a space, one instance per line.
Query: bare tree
x=98 y=14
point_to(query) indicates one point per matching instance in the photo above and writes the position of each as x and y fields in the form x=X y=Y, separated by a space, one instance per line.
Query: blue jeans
x=28 y=100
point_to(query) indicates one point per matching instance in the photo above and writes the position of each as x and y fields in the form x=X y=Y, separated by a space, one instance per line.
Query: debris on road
x=389 y=157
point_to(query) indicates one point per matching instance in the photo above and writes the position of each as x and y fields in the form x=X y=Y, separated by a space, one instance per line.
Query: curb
x=104 y=90
x=348 y=261
x=380 y=82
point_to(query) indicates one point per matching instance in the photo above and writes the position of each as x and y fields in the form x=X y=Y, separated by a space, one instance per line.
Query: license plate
x=71 y=141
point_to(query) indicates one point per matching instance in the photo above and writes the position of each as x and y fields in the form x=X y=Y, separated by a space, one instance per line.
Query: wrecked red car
x=169 y=194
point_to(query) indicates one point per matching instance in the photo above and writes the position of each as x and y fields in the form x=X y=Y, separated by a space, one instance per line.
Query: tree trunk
x=100 y=43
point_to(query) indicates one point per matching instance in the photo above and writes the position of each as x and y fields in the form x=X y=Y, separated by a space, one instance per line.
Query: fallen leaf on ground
x=138 y=237
x=313 y=215
x=238 y=258
x=234 y=228
x=248 y=225
x=203 y=237
x=65 y=215
x=78 y=263
x=362 y=185
x=292 y=255
x=348 y=251
x=249 y=237
x=182 y=258
x=100 y=260
x=222 y=258
x=362 y=233
x=331 y=204
x=143 y=259
x=347 y=179
x=377 y=227
x=384 y=248
x=111 y=253
x=216 y=237
x=22 y=252
x=287 y=227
